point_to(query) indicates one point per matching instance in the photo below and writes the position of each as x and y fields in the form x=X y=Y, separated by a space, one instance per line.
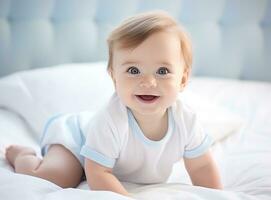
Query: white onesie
x=113 y=139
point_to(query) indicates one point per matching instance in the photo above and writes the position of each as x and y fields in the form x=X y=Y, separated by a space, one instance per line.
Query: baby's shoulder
x=112 y=115
x=111 y=120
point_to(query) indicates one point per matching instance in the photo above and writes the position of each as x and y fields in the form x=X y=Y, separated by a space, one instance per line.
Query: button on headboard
x=231 y=38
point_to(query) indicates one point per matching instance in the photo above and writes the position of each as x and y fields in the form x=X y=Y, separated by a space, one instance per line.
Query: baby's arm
x=101 y=178
x=203 y=171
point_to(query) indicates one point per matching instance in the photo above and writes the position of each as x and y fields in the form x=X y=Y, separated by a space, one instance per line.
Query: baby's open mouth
x=147 y=98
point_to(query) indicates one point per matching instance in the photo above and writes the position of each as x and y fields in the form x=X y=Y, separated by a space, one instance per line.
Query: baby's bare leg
x=59 y=165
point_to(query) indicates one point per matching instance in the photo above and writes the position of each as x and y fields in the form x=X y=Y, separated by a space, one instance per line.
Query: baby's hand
x=101 y=178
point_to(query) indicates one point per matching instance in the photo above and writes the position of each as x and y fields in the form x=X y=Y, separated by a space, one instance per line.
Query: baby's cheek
x=172 y=86
x=171 y=92
x=175 y=92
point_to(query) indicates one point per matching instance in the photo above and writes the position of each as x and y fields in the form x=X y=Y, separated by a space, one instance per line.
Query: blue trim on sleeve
x=97 y=157
x=199 y=150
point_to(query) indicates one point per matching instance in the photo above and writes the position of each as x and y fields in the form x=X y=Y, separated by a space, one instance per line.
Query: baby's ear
x=185 y=77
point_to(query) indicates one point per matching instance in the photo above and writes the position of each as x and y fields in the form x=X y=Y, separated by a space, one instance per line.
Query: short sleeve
x=198 y=141
x=102 y=142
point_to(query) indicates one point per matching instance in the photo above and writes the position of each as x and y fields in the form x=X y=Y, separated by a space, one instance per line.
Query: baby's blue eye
x=133 y=70
x=162 y=71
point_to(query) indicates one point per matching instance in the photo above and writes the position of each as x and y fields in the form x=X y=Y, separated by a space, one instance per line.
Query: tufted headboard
x=231 y=38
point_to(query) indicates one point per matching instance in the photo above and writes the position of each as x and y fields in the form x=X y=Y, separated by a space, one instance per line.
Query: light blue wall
x=231 y=38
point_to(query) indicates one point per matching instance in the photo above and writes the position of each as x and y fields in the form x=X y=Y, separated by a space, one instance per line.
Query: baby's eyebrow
x=130 y=62
x=164 y=63
x=134 y=62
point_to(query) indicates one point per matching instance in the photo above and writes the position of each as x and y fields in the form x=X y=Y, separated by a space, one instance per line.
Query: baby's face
x=148 y=78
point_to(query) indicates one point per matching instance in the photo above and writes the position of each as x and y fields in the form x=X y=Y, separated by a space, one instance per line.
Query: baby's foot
x=13 y=151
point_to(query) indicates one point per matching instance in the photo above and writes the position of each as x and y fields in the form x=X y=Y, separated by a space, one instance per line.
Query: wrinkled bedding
x=243 y=157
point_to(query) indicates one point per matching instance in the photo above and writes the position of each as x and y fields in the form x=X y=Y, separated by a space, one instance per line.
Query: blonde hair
x=134 y=30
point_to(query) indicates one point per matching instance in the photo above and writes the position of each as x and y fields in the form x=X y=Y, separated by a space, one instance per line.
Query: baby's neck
x=154 y=126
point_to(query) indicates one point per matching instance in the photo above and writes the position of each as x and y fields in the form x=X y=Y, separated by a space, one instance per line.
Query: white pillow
x=38 y=94
x=217 y=121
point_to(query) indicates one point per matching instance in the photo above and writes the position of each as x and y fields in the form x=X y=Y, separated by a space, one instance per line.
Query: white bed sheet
x=243 y=158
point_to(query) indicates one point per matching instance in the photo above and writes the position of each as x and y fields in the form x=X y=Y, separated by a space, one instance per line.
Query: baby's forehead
x=133 y=41
x=157 y=41
x=160 y=44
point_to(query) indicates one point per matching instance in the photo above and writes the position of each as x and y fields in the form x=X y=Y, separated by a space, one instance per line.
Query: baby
x=145 y=127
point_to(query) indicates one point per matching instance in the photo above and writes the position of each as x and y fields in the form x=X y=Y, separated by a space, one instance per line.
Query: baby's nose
x=148 y=82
